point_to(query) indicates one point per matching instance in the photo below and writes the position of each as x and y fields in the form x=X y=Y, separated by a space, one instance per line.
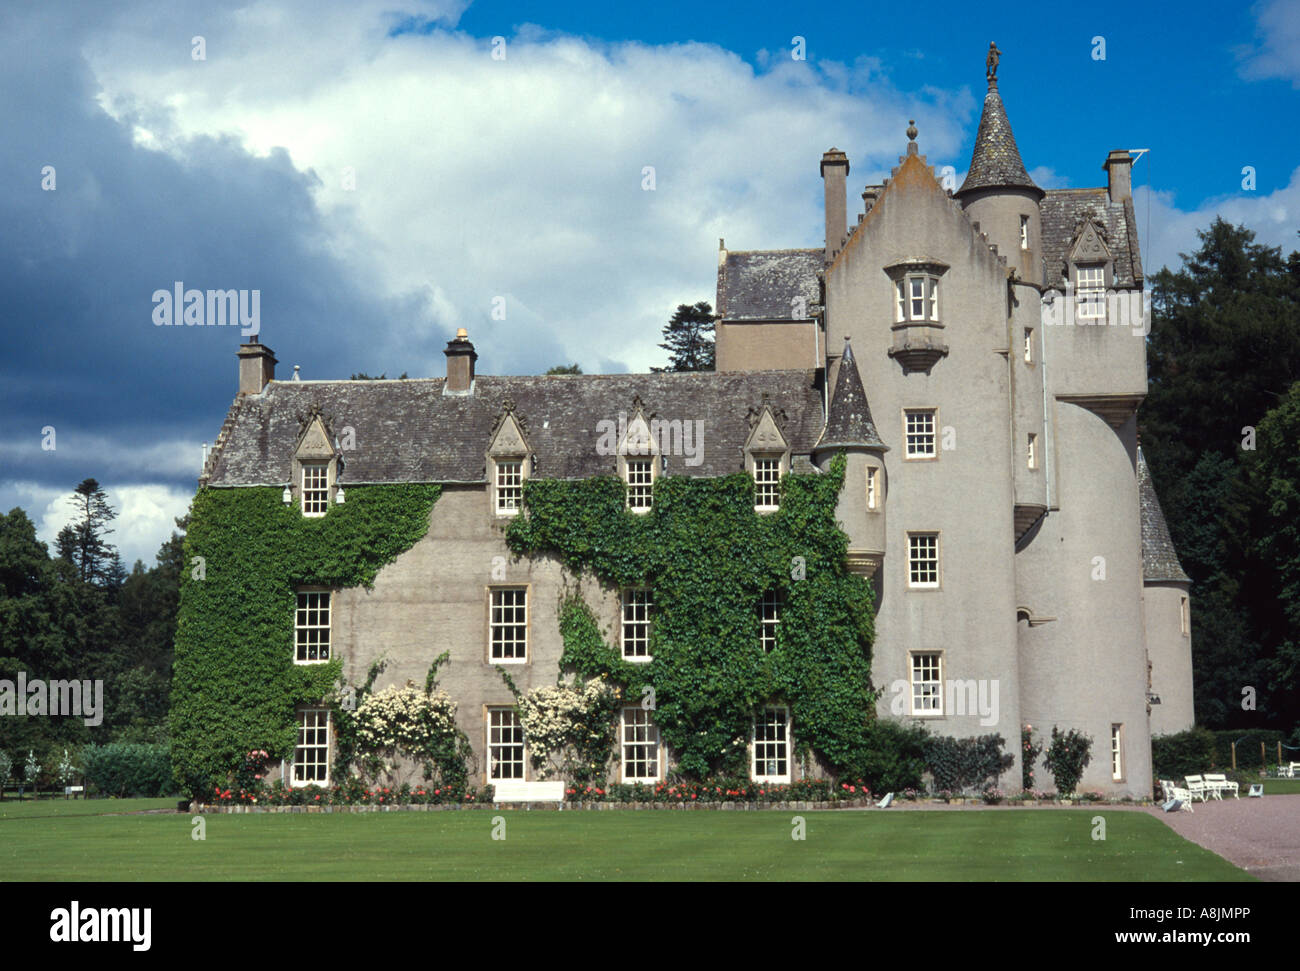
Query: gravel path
x=1262 y=836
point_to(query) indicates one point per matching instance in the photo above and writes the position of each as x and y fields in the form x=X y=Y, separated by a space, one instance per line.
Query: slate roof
x=1063 y=211
x=409 y=431
x=1159 y=558
x=762 y=284
x=849 y=419
x=995 y=162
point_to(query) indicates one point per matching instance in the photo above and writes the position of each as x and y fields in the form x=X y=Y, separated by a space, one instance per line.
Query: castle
x=974 y=354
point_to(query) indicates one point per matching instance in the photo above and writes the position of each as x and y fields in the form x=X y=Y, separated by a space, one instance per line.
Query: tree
x=1275 y=467
x=362 y=376
x=688 y=338
x=1224 y=349
x=564 y=369
x=82 y=542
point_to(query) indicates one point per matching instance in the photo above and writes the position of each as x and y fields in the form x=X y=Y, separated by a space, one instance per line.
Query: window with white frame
x=311 y=756
x=873 y=489
x=767 y=482
x=311 y=627
x=769 y=616
x=1116 y=759
x=918 y=298
x=637 y=603
x=922 y=559
x=315 y=488
x=919 y=433
x=639 y=746
x=1032 y=451
x=1091 y=292
x=771 y=746
x=927 y=684
x=1184 y=620
x=640 y=484
x=505 y=744
x=1024 y=232
x=1029 y=345
x=510 y=486
x=508 y=624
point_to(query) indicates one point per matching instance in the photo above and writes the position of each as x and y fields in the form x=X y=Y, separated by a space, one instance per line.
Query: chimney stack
x=835 y=172
x=256 y=367
x=1119 y=170
x=460 y=364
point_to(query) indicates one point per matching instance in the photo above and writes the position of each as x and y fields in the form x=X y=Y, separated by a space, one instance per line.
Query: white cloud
x=146 y=514
x=522 y=178
x=1273 y=218
x=1276 y=50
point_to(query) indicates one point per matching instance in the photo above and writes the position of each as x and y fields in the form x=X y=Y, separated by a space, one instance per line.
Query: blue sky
x=382 y=179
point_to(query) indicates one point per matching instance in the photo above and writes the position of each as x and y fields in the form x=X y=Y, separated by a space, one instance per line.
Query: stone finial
x=911 y=136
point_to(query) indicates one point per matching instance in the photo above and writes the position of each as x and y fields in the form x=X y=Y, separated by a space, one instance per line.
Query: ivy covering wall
x=235 y=685
x=709 y=558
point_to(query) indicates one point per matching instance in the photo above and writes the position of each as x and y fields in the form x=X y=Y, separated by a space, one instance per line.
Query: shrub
x=894 y=757
x=1183 y=753
x=1067 y=757
x=960 y=764
x=126 y=769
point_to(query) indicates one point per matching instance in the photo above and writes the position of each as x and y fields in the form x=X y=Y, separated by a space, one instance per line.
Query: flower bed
x=351 y=793
x=721 y=791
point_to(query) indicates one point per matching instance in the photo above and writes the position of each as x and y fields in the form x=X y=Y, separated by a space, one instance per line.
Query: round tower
x=849 y=428
x=999 y=197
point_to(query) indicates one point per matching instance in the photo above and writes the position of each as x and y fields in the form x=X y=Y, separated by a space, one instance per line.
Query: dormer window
x=507 y=464
x=918 y=298
x=638 y=459
x=315 y=488
x=317 y=464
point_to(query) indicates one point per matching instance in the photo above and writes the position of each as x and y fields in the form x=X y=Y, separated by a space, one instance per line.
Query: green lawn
x=699 y=846
x=28 y=808
x=1276 y=787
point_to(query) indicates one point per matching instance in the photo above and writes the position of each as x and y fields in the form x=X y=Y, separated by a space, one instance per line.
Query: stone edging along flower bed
x=546 y=806
x=797 y=806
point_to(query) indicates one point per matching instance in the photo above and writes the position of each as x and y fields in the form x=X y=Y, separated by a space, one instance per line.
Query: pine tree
x=688 y=338
x=82 y=542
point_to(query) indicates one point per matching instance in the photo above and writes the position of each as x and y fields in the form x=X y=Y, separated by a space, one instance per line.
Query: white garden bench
x=1288 y=771
x=528 y=791
x=1219 y=784
x=1197 y=787
x=1173 y=792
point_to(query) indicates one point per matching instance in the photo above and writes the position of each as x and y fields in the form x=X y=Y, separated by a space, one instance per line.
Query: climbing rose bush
x=404 y=724
x=570 y=728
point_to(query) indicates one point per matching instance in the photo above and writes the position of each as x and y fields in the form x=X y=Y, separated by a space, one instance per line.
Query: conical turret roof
x=995 y=162
x=1159 y=558
x=848 y=421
